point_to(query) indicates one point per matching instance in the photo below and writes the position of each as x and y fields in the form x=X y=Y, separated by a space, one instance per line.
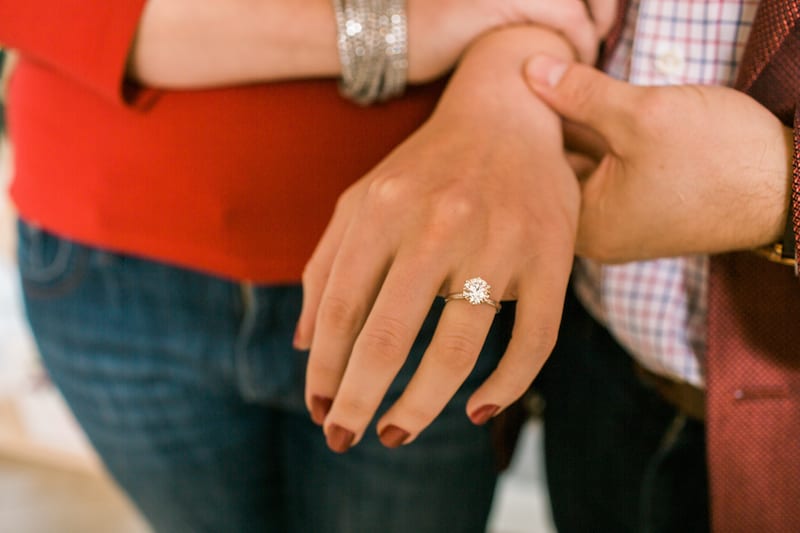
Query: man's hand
x=678 y=170
x=482 y=189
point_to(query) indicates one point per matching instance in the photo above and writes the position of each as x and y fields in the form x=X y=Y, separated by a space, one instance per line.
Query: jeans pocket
x=49 y=266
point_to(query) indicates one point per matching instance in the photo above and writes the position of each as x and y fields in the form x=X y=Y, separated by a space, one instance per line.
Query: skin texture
x=669 y=170
x=709 y=164
x=445 y=206
x=187 y=44
x=482 y=163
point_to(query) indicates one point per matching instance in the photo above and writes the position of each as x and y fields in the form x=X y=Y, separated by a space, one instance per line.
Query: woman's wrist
x=489 y=83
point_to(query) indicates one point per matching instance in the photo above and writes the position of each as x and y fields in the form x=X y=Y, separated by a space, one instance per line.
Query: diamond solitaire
x=476 y=291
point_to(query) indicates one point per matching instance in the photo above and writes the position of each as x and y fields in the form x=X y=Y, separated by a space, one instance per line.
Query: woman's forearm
x=191 y=44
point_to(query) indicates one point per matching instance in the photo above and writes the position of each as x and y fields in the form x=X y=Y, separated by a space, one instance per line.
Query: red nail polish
x=320 y=405
x=482 y=415
x=393 y=437
x=339 y=439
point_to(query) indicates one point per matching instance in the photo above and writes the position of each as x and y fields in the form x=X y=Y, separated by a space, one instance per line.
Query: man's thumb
x=578 y=92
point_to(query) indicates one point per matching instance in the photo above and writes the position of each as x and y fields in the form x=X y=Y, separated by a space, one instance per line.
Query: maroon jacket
x=753 y=359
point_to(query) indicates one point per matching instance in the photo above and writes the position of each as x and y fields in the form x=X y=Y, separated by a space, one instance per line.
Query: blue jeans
x=618 y=457
x=188 y=388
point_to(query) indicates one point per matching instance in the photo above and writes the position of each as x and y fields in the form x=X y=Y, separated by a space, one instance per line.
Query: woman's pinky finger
x=534 y=335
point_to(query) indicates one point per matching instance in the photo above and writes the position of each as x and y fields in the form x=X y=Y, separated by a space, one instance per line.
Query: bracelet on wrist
x=372 y=38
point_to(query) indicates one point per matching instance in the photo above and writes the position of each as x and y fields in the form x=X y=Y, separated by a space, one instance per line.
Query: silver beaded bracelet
x=373 y=43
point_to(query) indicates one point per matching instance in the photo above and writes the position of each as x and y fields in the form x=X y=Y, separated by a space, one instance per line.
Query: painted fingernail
x=393 y=436
x=339 y=439
x=320 y=405
x=482 y=415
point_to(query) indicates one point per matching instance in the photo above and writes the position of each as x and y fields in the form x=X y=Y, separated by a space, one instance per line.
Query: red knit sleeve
x=86 y=41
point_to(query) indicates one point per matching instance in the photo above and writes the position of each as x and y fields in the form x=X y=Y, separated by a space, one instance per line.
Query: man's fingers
x=572 y=19
x=584 y=95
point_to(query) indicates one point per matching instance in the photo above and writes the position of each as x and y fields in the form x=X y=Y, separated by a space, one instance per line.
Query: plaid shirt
x=657 y=309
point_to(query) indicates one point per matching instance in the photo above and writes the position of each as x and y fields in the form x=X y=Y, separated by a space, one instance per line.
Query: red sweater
x=238 y=182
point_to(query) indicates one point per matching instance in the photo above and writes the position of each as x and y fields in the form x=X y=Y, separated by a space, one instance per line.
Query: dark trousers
x=618 y=457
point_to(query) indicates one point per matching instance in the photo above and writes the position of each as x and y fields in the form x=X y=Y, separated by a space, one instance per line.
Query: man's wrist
x=782 y=249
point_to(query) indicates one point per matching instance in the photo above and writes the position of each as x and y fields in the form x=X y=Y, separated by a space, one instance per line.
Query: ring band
x=476 y=291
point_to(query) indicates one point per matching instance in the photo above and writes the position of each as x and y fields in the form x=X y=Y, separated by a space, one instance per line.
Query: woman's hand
x=482 y=189
x=679 y=170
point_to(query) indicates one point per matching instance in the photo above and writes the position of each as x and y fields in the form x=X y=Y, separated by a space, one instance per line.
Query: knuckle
x=544 y=340
x=452 y=209
x=460 y=205
x=458 y=352
x=340 y=314
x=353 y=406
x=517 y=380
x=324 y=371
x=387 y=339
x=445 y=218
x=387 y=191
x=581 y=94
x=416 y=412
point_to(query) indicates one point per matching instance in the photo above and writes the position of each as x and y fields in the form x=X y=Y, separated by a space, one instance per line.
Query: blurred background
x=50 y=479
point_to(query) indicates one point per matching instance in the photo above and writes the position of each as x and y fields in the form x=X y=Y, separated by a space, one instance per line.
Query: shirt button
x=670 y=63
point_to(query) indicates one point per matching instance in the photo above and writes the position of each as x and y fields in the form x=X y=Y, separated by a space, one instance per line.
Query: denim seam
x=243 y=371
x=38 y=288
x=56 y=268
